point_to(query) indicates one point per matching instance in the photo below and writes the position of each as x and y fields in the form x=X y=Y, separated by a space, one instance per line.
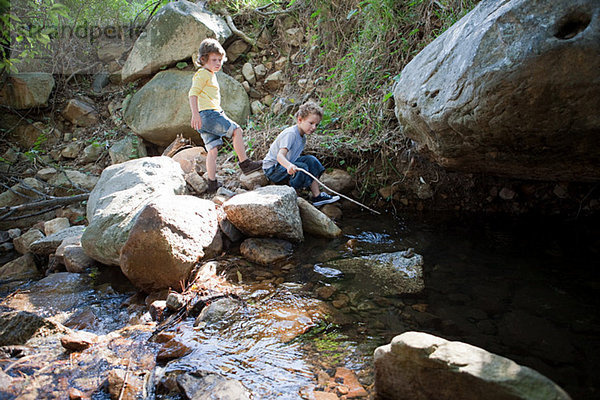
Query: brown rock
x=171 y=350
x=80 y=113
x=78 y=341
x=124 y=385
x=350 y=380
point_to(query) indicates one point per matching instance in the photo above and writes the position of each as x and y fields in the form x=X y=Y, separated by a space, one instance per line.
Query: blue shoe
x=323 y=198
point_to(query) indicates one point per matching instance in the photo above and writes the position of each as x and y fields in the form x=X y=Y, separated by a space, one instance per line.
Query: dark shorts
x=299 y=180
x=215 y=125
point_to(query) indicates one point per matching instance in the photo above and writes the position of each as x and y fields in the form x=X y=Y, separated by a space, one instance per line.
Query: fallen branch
x=331 y=190
x=239 y=33
x=42 y=204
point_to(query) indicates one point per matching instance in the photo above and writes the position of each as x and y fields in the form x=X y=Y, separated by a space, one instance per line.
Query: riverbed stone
x=482 y=97
x=17 y=327
x=315 y=222
x=23 y=242
x=270 y=211
x=119 y=196
x=76 y=260
x=204 y=385
x=48 y=245
x=21 y=268
x=124 y=386
x=391 y=273
x=55 y=225
x=171 y=234
x=78 y=340
x=266 y=251
x=69 y=181
x=417 y=365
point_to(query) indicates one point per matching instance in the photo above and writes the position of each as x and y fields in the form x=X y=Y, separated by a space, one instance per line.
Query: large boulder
x=160 y=109
x=511 y=89
x=119 y=196
x=270 y=211
x=27 y=90
x=174 y=34
x=421 y=366
x=171 y=234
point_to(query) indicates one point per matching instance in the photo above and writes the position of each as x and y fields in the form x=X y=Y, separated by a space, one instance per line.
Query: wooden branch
x=57 y=201
x=239 y=33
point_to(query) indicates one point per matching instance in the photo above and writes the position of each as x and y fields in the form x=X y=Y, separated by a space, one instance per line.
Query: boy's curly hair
x=207 y=47
x=308 y=108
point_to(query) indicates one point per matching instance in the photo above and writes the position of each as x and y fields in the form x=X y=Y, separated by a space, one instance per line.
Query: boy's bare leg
x=211 y=163
x=238 y=145
x=314 y=188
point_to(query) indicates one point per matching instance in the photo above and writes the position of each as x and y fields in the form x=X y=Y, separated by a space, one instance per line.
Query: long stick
x=331 y=190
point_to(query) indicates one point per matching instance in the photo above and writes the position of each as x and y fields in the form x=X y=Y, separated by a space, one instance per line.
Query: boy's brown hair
x=207 y=47
x=308 y=108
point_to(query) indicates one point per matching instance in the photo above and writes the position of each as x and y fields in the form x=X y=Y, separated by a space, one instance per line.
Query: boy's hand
x=291 y=169
x=196 y=122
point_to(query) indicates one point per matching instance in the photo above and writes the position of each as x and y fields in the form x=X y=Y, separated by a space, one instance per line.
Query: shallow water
x=521 y=288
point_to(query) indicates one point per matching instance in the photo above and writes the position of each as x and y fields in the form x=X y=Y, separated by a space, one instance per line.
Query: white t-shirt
x=290 y=139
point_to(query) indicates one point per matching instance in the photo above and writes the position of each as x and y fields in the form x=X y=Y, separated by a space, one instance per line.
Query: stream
x=523 y=288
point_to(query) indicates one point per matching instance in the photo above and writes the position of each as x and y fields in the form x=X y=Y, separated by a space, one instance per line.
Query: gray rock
x=266 y=251
x=173 y=34
x=158 y=111
x=23 y=242
x=27 y=90
x=338 y=180
x=253 y=180
x=202 y=385
x=390 y=273
x=48 y=245
x=315 y=222
x=128 y=148
x=91 y=153
x=55 y=225
x=169 y=237
x=421 y=366
x=17 y=327
x=20 y=269
x=217 y=311
x=270 y=211
x=68 y=180
x=121 y=193
x=511 y=89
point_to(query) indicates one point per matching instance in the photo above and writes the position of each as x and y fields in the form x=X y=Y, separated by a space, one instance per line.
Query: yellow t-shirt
x=206 y=87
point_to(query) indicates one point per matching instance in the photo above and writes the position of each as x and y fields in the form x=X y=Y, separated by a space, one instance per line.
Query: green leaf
x=181 y=64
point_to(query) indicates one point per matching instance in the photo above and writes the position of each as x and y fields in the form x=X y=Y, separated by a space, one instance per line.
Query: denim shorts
x=278 y=174
x=215 y=125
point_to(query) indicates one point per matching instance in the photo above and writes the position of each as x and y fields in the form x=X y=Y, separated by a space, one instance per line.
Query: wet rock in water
x=203 y=385
x=315 y=222
x=76 y=260
x=78 y=341
x=266 y=251
x=350 y=381
x=270 y=211
x=217 y=311
x=21 y=268
x=158 y=309
x=391 y=273
x=171 y=350
x=124 y=386
x=48 y=245
x=17 y=327
x=422 y=366
x=175 y=301
x=171 y=234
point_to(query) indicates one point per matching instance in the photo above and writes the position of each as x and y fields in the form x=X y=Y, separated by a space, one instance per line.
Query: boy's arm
x=196 y=122
x=282 y=159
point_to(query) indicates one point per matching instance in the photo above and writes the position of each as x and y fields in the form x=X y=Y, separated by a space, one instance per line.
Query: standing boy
x=284 y=156
x=209 y=119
